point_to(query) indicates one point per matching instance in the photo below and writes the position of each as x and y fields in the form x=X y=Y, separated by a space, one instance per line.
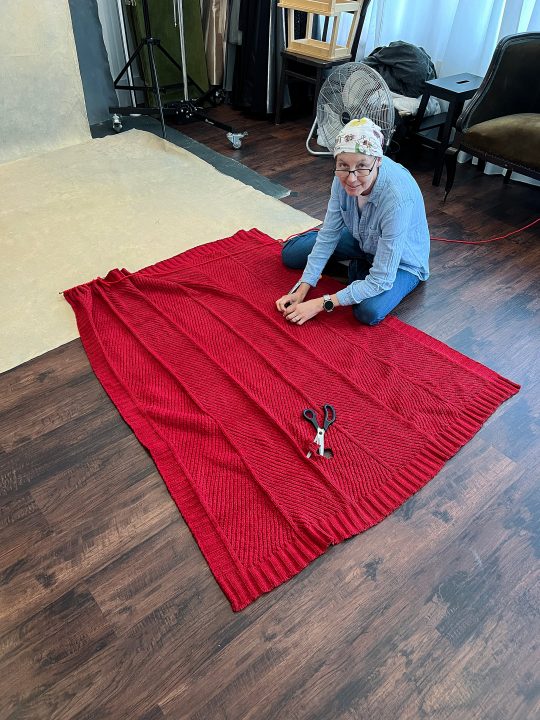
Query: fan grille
x=353 y=90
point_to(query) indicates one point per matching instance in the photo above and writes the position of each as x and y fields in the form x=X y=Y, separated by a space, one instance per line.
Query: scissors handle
x=310 y=415
x=329 y=415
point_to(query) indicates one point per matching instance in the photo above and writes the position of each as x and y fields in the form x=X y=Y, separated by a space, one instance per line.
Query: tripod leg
x=170 y=57
x=210 y=121
x=155 y=87
x=190 y=79
x=130 y=61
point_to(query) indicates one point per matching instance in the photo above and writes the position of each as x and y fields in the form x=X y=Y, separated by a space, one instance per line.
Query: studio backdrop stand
x=182 y=110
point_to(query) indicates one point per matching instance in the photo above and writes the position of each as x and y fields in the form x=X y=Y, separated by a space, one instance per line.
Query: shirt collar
x=380 y=182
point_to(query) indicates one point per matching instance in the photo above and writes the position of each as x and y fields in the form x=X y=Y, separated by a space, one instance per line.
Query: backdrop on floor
x=214 y=382
x=133 y=198
x=226 y=165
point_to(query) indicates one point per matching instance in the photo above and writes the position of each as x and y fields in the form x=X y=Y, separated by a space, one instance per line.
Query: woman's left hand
x=304 y=311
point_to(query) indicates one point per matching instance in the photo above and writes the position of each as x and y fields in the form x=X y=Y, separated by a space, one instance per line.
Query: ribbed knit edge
x=212 y=250
x=243 y=585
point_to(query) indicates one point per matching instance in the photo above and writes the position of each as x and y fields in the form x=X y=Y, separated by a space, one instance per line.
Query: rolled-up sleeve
x=381 y=277
x=327 y=238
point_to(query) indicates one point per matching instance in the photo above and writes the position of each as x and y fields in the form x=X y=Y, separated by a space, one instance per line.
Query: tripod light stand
x=183 y=110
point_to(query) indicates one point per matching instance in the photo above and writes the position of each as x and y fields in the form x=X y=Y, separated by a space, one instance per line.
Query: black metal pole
x=155 y=84
x=146 y=16
x=153 y=70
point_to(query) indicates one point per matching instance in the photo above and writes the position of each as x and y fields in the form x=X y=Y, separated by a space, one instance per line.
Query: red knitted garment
x=213 y=382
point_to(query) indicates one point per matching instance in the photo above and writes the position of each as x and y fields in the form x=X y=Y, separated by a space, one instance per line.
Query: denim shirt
x=392 y=227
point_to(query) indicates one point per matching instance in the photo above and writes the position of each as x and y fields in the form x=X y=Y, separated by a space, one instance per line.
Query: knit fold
x=213 y=382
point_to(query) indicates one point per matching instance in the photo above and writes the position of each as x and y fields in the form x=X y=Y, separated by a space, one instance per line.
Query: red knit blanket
x=213 y=381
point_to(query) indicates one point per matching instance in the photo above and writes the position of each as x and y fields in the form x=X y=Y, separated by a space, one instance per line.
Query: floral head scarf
x=360 y=136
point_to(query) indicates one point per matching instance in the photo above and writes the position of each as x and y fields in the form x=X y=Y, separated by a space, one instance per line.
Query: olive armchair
x=501 y=124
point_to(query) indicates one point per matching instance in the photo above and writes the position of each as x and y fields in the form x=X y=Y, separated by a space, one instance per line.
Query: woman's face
x=359 y=182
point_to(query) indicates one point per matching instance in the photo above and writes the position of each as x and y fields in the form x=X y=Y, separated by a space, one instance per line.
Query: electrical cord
x=440 y=239
x=488 y=240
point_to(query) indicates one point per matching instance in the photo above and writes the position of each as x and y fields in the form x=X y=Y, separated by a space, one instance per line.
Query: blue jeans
x=372 y=310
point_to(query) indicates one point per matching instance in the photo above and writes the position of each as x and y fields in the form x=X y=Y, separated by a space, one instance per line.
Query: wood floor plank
x=73 y=552
x=55 y=641
x=445 y=596
x=58 y=367
x=109 y=611
x=22 y=527
x=150 y=576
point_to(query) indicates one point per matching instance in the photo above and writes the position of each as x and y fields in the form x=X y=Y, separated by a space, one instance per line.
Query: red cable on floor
x=316 y=229
x=489 y=240
x=463 y=242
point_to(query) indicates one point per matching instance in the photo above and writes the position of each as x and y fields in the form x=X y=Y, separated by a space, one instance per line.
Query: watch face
x=328 y=305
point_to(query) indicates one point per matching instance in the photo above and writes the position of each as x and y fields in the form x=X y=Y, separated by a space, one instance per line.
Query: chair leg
x=450 y=161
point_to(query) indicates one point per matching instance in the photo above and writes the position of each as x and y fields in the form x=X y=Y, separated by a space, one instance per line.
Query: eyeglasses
x=358 y=172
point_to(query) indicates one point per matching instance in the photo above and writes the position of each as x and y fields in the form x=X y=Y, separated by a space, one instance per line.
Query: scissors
x=329 y=418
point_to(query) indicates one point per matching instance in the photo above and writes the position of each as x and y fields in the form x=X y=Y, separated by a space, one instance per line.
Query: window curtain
x=214 y=20
x=459 y=35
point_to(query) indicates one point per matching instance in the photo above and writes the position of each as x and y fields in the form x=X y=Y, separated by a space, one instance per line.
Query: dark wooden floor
x=108 y=609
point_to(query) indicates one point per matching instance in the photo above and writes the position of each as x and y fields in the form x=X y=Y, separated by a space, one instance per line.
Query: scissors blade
x=320 y=440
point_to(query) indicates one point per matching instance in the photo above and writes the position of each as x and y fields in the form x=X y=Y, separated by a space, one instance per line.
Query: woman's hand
x=288 y=301
x=303 y=311
x=291 y=300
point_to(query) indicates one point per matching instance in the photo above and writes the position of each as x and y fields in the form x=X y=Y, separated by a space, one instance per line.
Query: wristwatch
x=328 y=303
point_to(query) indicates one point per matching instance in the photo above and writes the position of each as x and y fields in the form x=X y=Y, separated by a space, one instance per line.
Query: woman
x=376 y=219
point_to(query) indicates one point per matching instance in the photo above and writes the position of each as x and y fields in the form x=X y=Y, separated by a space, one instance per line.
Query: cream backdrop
x=72 y=208
x=41 y=98
x=129 y=200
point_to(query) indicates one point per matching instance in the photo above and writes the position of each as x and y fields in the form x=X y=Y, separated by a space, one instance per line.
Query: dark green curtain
x=162 y=25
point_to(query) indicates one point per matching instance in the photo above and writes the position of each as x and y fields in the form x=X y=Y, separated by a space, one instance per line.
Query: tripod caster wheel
x=217 y=97
x=116 y=123
x=236 y=139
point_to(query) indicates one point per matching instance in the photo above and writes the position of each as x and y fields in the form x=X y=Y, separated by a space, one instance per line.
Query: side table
x=455 y=89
